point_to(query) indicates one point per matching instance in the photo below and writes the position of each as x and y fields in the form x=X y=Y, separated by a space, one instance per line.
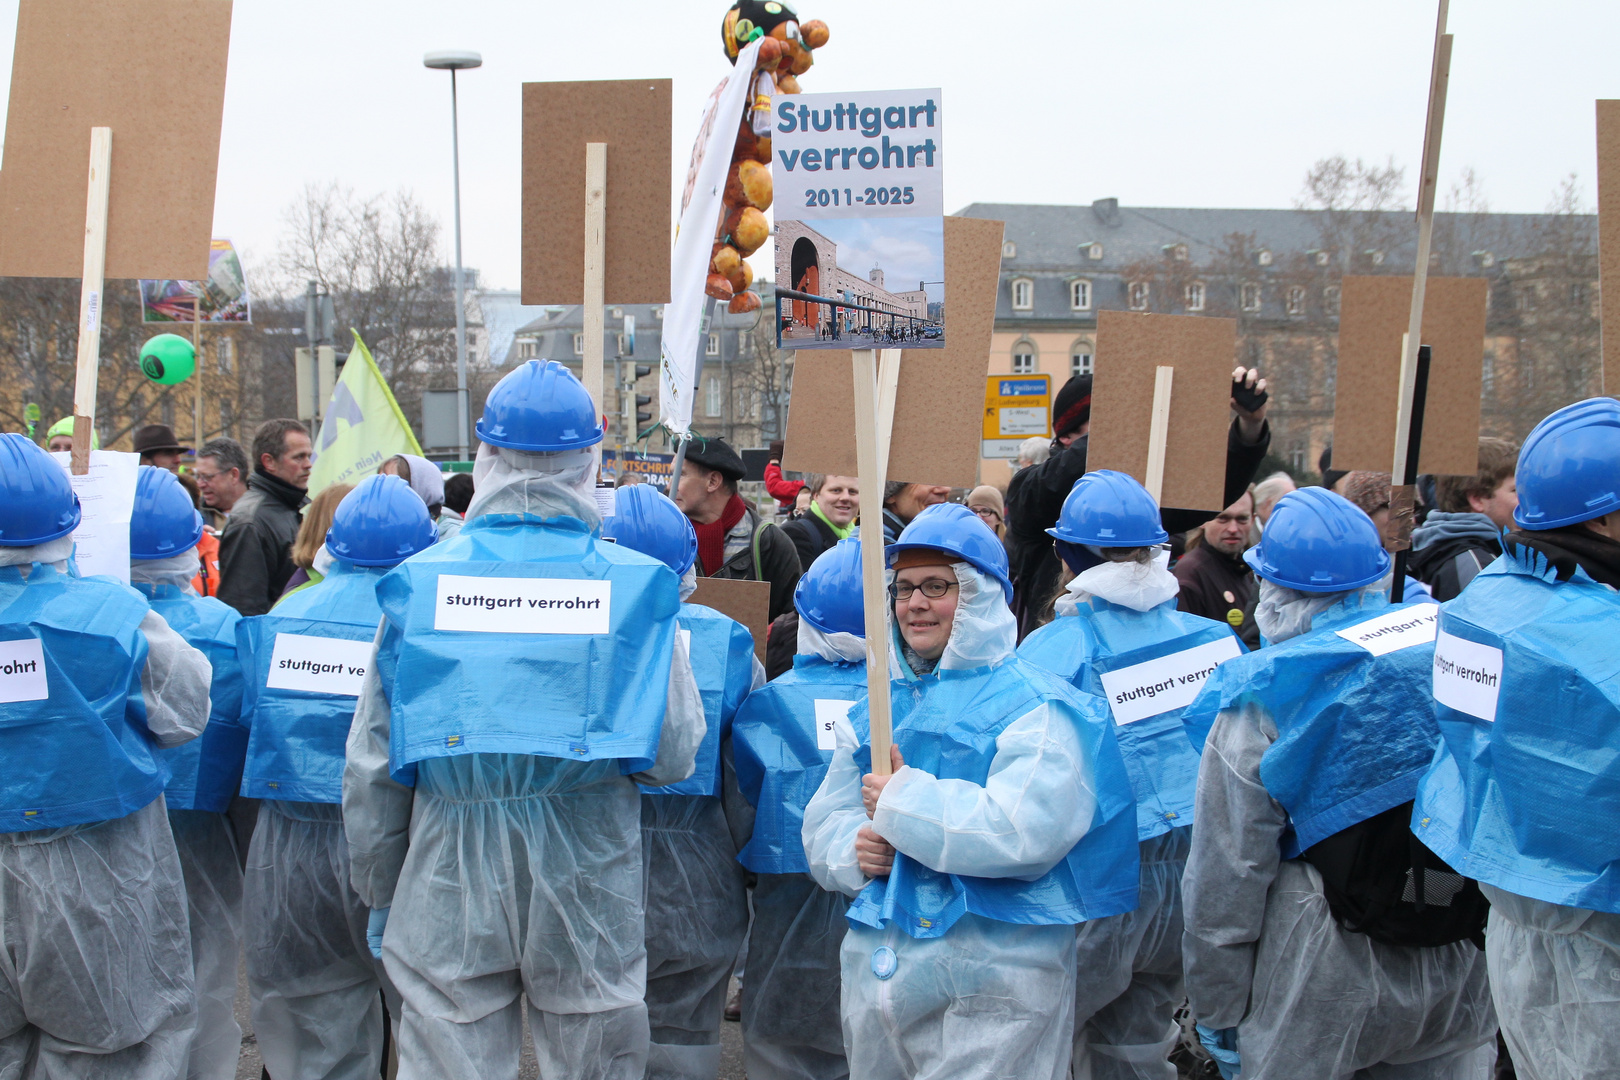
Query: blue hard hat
x=1109 y=509
x=1569 y=469
x=37 y=502
x=165 y=521
x=381 y=522
x=828 y=596
x=1319 y=542
x=540 y=407
x=956 y=530
x=645 y=520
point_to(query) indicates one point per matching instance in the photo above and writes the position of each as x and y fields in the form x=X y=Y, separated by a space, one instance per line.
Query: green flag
x=363 y=426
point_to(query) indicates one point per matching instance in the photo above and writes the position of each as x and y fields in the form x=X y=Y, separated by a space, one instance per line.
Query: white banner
x=694 y=240
x=1395 y=630
x=1169 y=682
x=500 y=605
x=107 y=499
x=863 y=154
x=319 y=665
x=1467 y=675
x=22 y=671
x=828 y=712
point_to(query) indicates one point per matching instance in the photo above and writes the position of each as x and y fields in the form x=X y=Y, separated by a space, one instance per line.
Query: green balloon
x=168 y=359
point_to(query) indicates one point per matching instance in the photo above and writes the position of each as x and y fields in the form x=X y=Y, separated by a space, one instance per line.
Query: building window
x=1080 y=296
x=1195 y=296
x=1137 y=295
x=1009 y=250
x=579 y=347
x=1263 y=257
x=1296 y=300
x=1178 y=252
x=623 y=346
x=1023 y=295
x=1094 y=252
x=1080 y=359
x=1375 y=257
x=711 y=404
x=1487 y=375
x=1330 y=301
x=528 y=349
x=226 y=354
x=1577 y=294
x=713 y=349
x=1249 y=297
x=1023 y=358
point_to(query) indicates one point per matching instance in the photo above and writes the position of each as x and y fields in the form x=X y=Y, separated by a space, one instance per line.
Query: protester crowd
x=1167 y=791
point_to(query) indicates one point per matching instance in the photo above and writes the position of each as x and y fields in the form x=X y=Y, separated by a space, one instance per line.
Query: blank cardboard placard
x=1373 y=315
x=1608 y=164
x=940 y=396
x=154 y=72
x=1130 y=349
x=749 y=602
x=633 y=117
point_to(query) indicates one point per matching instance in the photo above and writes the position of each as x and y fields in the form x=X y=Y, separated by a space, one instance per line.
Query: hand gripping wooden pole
x=90 y=299
x=875 y=385
x=595 y=268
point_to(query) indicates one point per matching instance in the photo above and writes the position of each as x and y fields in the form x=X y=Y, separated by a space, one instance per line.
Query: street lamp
x=454 y=60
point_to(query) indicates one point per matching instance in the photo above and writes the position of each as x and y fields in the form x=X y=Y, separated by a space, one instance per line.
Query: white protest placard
x=828 y=712
x=319 y=665
x=107 y=501
x=1168 y=682
x=863 y=154
x=22 y=671
x=1467 y=675
x=504 y=605
x=1395 y=630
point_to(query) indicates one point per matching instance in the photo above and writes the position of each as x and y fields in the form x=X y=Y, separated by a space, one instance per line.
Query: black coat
x=811 y=536
x=255 y=550
x=779 y=563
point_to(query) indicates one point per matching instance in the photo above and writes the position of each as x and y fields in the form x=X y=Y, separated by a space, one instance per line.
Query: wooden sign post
x=1608 y=164
x=875 y=385
x=90 y=302
x=595 y=268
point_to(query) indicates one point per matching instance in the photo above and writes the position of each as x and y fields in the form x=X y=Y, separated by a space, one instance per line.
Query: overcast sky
x=1155 y=102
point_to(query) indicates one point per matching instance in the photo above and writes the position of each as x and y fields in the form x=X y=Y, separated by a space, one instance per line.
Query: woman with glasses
x=1007 y=820
x=986 y=502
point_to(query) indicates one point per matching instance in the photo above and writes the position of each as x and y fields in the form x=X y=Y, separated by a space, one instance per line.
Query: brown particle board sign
x=939 y=401
x=633 y=117
x=1373 y=315
x=1131 y=346
x=154 y=72
x=749 y=602
x=1608 y=164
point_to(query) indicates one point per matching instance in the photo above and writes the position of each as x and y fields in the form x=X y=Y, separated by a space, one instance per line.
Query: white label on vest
x=319 y=665
x=1467 y=675
x=1169 y=682
x=1394 y=630
x=503 y=605
x=828 y=712
x=22 y=671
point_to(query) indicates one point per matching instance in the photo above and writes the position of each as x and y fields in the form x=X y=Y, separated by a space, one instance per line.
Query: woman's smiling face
x=925 y=622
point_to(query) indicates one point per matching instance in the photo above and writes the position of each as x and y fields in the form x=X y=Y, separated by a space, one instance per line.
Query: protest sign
x=748 y=602
x=221 y=297
x=106 y=502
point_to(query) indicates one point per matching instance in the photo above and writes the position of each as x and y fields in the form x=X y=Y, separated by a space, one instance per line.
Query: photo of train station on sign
x=861 y=310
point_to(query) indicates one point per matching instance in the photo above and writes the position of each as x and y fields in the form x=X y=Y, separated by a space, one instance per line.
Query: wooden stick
x=90 y=302
x=1159 y=429
x=595 y=267
x=888 y=384
x=873 y=467
x=1608 y=161
x=197 y=390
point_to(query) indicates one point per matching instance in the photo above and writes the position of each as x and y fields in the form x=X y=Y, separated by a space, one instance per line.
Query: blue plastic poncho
x=1524 y=792
x=504 y=615
x=722 y=652
x=1330 y=774
x=207 y=771
x=303 y=663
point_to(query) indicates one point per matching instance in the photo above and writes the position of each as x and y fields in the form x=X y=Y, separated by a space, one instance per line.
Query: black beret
x=717 y=456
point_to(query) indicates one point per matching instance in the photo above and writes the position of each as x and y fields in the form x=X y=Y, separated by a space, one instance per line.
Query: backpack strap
x=759 y=530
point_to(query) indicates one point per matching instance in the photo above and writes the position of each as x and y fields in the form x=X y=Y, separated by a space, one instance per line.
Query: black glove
x=1247 y=397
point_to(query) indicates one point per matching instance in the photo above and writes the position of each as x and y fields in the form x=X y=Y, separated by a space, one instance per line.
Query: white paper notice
x=1467 y=675
x=1395 y=630
x=502 y=605
x=1170 y=682
x=828 y=712
x=321 y=665
x=107 y=500
x=22 y=671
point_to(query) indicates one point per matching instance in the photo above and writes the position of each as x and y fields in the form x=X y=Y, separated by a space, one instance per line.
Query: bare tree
x=1359 y=211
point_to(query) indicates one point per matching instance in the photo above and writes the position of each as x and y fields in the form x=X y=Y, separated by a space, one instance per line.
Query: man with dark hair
x=221 y=473
x=733 y=541
x=1215 y=581
x=458 y=494
x=1463 y=534
x=255 y=556
x=1035 y=496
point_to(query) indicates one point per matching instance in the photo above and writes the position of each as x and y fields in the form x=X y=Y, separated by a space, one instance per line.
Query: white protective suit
x=1264 y=954
x=212 y=867
x=95 y=952
x=988 y=998
x=508 y=874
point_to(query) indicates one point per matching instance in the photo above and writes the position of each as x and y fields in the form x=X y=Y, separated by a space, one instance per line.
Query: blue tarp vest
x=777 y=744
x=205 y=772
x=1354 y=730
x=1529 y=801
x=946 y=724
x=722 y=652
x=523 y=636
x=74 y=741
x=1104 y=638
x=303 y=663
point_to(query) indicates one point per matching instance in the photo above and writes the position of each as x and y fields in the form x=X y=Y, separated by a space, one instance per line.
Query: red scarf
x=712 y=537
